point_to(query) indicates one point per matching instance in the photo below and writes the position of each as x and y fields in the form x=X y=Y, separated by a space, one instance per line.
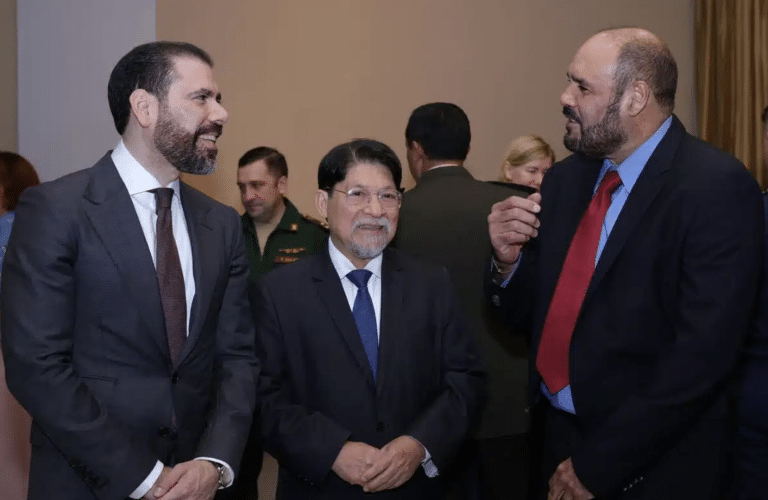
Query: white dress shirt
x=343 y=267
x=139 y=182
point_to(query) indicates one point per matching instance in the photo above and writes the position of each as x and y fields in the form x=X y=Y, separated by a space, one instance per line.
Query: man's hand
x=150 y=495
x=395 y=465
x=193 y=480
x=511 y=223
x=564 y=485
x=353 y=460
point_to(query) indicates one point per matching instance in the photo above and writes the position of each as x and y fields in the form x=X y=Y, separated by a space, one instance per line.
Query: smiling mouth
x=212 y=138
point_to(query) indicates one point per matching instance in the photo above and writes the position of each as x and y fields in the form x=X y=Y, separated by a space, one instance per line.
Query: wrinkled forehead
x=368 y=174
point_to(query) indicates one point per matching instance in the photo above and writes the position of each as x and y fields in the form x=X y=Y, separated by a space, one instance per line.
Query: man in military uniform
x=276 y=233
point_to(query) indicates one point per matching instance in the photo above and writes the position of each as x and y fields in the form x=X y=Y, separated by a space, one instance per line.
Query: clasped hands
x=379 y=469
x=193 y=480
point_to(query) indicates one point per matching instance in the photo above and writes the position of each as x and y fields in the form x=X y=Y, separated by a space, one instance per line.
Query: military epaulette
x=311 y=219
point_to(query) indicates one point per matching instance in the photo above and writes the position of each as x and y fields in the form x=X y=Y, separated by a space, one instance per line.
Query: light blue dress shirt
x=629 y=171
x=6 y=221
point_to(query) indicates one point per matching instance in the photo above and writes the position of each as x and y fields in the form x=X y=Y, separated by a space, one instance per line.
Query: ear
x=282 y=185
x=321 y=202
x=637 y=97
x=508 y=171
x=144 y=107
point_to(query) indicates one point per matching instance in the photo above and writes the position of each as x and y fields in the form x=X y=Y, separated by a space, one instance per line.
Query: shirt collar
x=135 y=177
x=343 y=265
x=631 y=168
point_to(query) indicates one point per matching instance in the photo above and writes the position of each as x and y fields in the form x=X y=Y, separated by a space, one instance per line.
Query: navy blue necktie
x=365 y=317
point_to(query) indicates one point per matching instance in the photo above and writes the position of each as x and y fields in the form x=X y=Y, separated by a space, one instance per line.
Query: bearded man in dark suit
x=126 y=329
x=637 y=286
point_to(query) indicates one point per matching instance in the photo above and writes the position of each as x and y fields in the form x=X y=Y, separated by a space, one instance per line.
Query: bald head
x=641 y=56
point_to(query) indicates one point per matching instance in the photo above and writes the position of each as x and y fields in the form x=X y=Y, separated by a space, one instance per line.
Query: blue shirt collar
x=631 y=168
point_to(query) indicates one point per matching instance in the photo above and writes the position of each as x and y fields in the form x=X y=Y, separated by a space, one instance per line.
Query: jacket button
x=163 y=432
x=174 y=377
x=379 y=426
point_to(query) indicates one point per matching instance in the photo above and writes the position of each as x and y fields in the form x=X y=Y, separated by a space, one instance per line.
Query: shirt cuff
x=148 y=482
x=504 y=283
x=430 y=469
x=229 y=474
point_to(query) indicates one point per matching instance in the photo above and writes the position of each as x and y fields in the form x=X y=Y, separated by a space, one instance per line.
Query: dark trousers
x=698 y=466
x=492 y=469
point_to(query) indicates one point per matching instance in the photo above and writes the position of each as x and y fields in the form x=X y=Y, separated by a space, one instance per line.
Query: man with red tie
x=636 y=286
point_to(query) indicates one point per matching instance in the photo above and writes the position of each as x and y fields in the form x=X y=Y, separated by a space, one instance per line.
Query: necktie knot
x=163 y=197
x=610 y=182
x=359 y=277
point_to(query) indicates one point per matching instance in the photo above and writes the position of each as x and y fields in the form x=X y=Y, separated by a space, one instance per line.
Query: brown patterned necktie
x=169 y=275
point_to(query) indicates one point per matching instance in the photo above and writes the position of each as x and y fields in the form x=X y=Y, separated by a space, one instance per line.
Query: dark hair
x=651 y=61
x=764 y=116
x=274 y=159
x=149 y=67
x=441 y=129
x=16 y=175
x=334 y=165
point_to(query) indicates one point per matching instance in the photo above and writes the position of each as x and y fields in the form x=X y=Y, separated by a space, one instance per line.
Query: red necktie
x=579 y=265
x=169 y=275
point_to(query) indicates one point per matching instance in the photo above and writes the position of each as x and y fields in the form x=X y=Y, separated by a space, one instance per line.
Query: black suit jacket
x=317 y=387
x=444 y=220
x=753 y=400
x=85 y=347
x=655 y=345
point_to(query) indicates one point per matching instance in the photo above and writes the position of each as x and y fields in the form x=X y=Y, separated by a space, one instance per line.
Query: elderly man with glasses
x=375 y=384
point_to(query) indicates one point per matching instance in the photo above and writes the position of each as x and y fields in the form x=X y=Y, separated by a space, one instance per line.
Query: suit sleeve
x=722 y=259
x=237 y=366
x=306 y=442
x=446 y=423
x=38 y=331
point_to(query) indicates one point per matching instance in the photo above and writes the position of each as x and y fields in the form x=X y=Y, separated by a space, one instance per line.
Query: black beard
x=600 y=140
x=180 y=147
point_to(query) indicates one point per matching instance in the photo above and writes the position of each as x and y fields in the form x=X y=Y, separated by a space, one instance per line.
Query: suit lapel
x=643 y=193
x=392 y=297
x=330 y=292
x=204 y=259
x=114 y=219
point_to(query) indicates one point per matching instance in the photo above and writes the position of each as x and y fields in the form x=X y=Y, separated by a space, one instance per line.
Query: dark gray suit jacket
x=444 y=220
x=317 y=386
x=85 y=346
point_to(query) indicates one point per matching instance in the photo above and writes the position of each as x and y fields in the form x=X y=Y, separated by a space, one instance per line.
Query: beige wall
x=8 y=115
x=303 y=76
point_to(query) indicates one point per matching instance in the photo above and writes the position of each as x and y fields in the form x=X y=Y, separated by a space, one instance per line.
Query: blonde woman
x=527 y=160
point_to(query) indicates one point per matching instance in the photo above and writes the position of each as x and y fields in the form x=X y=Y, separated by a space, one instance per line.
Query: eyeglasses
x=389 y=199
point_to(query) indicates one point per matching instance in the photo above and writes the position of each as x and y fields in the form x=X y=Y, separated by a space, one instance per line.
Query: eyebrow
x=576 y=79
x=205 y=92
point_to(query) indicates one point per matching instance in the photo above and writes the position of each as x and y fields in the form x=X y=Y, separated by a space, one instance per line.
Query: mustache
x=372 y=221
x=569 y=112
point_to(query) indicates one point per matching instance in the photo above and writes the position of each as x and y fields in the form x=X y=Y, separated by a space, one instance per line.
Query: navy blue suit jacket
x=753 y=403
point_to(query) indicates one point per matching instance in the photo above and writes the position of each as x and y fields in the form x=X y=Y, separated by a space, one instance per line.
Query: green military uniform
x=295 y=237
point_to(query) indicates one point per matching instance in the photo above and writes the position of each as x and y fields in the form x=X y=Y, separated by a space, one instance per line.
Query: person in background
x=637 y=288
x=275 y=234
x=371 y=380
x=527 y=161
x=16 y=174
x=444 y=220
x=126 y=331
